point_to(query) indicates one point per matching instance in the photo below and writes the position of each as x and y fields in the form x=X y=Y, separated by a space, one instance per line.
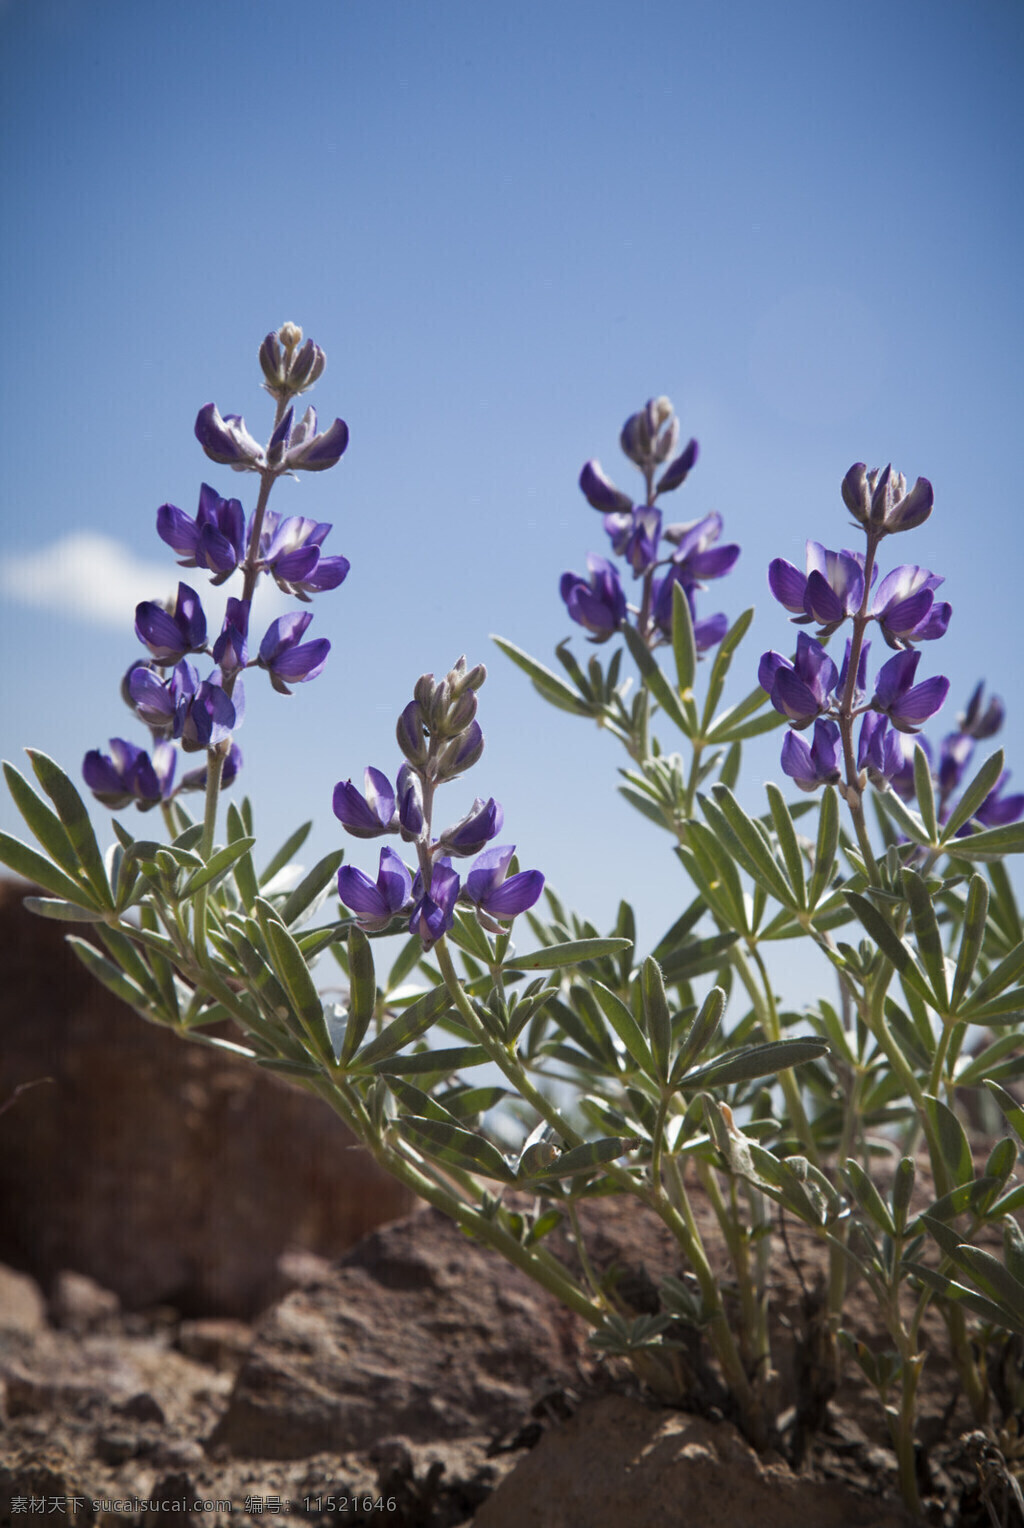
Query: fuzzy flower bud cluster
x=440 y=738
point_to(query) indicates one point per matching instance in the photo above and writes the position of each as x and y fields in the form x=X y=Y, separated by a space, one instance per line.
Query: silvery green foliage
x=505 y=1085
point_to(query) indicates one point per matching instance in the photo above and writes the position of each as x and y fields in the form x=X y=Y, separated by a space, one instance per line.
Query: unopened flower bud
x=423 y=692
x=290 y=336
x=411 y=734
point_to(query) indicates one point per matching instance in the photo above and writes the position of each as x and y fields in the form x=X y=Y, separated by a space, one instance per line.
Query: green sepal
x=459 y=1148
x=75 y=821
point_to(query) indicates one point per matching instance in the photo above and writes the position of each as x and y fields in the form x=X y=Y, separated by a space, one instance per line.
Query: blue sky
x=508 y=226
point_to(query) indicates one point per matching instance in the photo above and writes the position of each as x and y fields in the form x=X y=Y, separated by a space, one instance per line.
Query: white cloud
x=93 y=578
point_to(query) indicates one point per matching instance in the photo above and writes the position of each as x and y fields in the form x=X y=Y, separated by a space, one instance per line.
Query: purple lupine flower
x=495 y=892
x=481 y=823
x=411 y=733
x=997 y=809
x=231 y=649
x=906 y=609
x=862 y=669
x=214 y=540
x=461 y=753
x=160 y=702
x=831 y=589
x=128 y=774
x=409 y=794
x=635 y=537
x=650 y=437
x=601 y=493
x=880 y=499
x=908 y=706
x=982 y=724
x=369 y=813
x=677 y=472
x=284 y=659
x=290 y=550
x=376 y=902
x=207 y=717
x=881 y=751
x=800 y=689
x=196 y=779
x=298 y=448
x=600 y=606
x=434 y=913
x=696 y=555
x=816 y=765
x=707 y=633
x=170 y=634
x=902 y=780
x=227 y=441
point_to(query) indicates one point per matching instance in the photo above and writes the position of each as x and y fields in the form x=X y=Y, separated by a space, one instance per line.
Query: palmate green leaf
x=751 y=1061
x=926 y=933
x=548 y=684
x=973 y=796
x=657 y=684
x=410 y=1024
x=657 y=1019
x=739 y=732
x=75 y=821
x=984 y=1270
x=573 y=953
x=1003 y=908
x=28 y=862
x=450 y=1144
x=283 y=856
x=45 y=825
x=972 y=937
x=736 y=716
x=128 y=958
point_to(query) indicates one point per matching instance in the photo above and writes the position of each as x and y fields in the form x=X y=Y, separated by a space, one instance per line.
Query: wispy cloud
x=93 y=578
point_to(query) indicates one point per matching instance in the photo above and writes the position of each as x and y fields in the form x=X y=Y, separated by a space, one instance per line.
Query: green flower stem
x=853 y=792
x=753 y=1332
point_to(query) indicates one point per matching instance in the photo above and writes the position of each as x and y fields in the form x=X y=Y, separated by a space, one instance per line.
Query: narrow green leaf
x=699 y=1035
x=548 y=684
x=284 y=855
x=925 y=793
x=441 y=1062
x=408 y=959
x=45 y=825
x=907 y=821
x=739 y=732
x=889 y=942
x=625 y=1026
x=951 y=1138
x=568 y=661
x=127 y=957
x=975 y=793
x=63 y=912
x=1013 y=1111
x=657 y=1019
x=902 y=1191
x=992 y=843
x=408 y=1026
x=755 y=1061
x=788 y=842
x=459 y=1148
x=573 y=953
x=684 y=646
x=467 y=1103
x=469 y=936
x=696 y=958
x=996 y=1281
x=1005 y=912
x=245 y=873
x=996 y=982
x=75 y=820
x=981 y=1066
x=972 y=938
x=721 y=664
x=949 y=1289
x=748 y=845
x=826 y=846
x=29 y=863
x=362 y=997
x=309 y=888
x=929 y=940
x=216 y=867
x=299 y=984
x=733 y=716
x=588 y=1158
x=656 y=682
x=868 y=1197
x=112 y=977
x=414 y=1101
x=715 y=875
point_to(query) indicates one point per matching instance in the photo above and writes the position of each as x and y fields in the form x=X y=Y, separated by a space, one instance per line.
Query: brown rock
x=418 y=1332
x=165 y=1171
x=619 y=1462
x=79 y=1304
x=22 y=1307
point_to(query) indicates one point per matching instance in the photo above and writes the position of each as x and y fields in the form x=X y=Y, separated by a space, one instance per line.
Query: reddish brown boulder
x=167 y=1172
